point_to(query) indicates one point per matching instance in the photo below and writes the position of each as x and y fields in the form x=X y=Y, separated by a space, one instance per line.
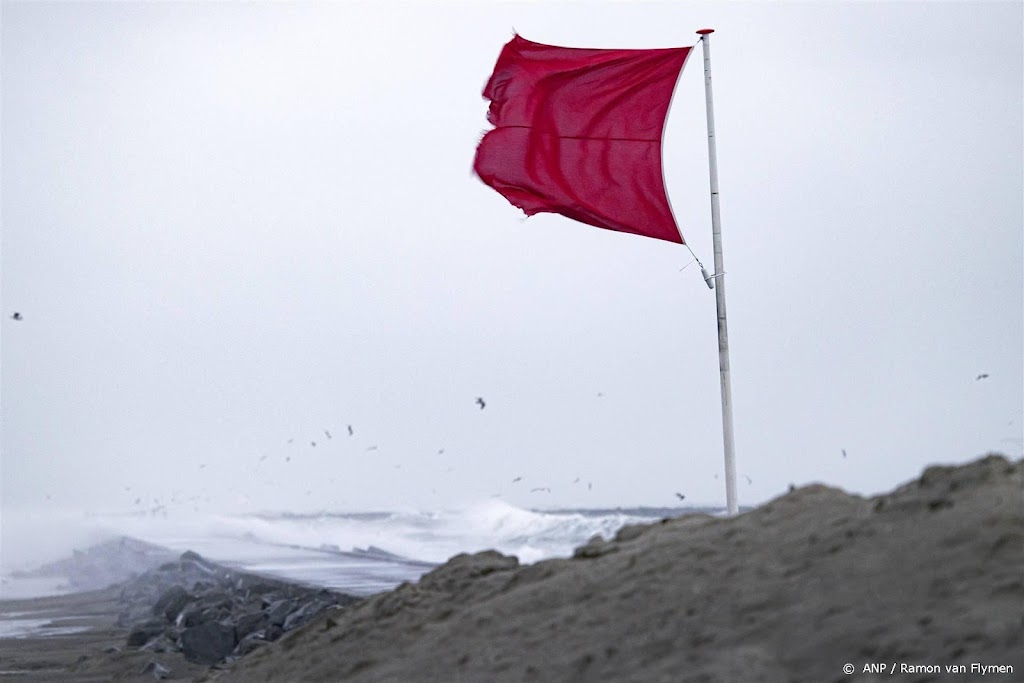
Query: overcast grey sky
x=231 y=227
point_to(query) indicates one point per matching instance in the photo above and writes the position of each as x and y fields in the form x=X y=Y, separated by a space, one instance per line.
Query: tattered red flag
x=578 y=132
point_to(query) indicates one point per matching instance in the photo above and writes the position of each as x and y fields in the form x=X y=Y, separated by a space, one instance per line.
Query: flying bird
x=844 y=452
x=350 y=432
x=313 y=444
x=328 y=434
x=680 y=496
x=749 y=480
x=372 y=448
x=480 y=402
x=517 y=479
x=16 y=316
x=981 y=376
x=541 y=488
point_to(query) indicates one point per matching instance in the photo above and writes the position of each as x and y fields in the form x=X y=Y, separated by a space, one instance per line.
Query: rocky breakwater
x=212 y=614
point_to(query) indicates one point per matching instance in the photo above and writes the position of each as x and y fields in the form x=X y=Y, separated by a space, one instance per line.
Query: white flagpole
x=719 y=277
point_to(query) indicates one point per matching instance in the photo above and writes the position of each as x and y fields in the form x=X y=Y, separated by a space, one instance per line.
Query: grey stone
x=251 y=642
x=159 y=671
x=161 y=643
x=146 y=631
x=303 y=614
x=209 y=642
x=247 y=623
x=172 y=602
x=279 y=611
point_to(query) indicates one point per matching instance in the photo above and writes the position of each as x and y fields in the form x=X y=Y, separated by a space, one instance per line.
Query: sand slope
x=930 y=574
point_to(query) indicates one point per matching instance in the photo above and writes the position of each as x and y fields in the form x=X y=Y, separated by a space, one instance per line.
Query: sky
x=231 y=228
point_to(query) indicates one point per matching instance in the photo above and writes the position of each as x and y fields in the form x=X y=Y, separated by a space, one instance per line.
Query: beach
x=911 y=585
x=94 y=652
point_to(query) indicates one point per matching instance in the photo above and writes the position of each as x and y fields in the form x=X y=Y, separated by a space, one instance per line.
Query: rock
x=303 y=614
x=215 y=598
x=279 y=611
x=172 y=602
x=251 y=642
x=144 y=632
x=248 y=623
x=190 y=616
x=159 y=671
x=208 y=643
x=161 y=643
x=205 y=610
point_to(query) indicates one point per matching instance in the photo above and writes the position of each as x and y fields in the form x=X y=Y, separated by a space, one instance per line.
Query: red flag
x=578 y=132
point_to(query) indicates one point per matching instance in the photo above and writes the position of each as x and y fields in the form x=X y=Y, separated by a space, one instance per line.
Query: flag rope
x=694 y=257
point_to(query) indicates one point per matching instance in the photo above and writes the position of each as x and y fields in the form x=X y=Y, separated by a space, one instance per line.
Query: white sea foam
x=364 y=552
x=431 y=536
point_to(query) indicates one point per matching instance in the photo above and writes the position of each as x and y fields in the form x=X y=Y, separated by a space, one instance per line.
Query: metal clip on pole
x=707 y=278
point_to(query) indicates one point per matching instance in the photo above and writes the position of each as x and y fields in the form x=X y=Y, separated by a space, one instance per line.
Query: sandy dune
x=929 y=575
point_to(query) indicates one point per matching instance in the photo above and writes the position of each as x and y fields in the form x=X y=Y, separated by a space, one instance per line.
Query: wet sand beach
x=94 y=654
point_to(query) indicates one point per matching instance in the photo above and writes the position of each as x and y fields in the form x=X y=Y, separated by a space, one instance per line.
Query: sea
x=358 y=552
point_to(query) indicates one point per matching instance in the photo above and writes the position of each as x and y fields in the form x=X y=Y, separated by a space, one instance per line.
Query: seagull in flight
x=350 y=432
x=981 y=376
x=541 y=488
x=480 y=402
x=16 y=316
x=328 y=434
x=844 y=452
x=517 y=479
x=680 y=496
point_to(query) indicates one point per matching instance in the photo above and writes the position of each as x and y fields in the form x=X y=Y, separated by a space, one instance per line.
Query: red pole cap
x=705 y=31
